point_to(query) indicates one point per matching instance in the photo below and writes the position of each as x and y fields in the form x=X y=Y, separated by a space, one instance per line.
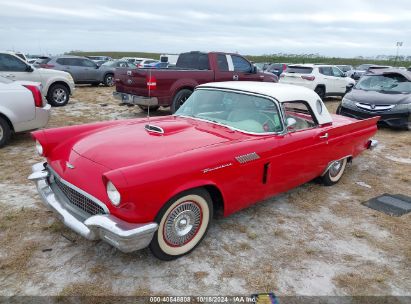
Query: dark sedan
x=385 y=93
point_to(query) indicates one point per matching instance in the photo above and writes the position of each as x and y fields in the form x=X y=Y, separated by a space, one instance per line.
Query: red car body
x=150 y=168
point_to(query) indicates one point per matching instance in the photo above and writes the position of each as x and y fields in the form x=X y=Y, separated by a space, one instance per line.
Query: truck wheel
x=5 y=132
x=109 y=80
x=334 y=173
x=58 y=95
x=179 y=99
x=145 y=108
x=320 y=91
x=182 y=224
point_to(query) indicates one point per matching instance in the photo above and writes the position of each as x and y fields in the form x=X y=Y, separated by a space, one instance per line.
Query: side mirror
x=253 y=69
x=29 y=68
x=290 y=123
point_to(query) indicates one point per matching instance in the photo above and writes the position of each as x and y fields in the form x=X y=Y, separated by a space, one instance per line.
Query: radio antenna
x=149 y=95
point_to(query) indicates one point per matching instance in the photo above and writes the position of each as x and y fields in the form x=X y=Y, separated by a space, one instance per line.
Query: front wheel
x=109 y=80
x=183 y=223
x=320 y=91
x=58 y=95
x=5 y=132
x=334 y=172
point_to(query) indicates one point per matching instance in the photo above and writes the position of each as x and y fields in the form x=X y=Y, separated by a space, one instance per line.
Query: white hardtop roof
x=280 y=92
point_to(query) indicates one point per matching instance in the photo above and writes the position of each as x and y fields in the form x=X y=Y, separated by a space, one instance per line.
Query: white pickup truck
x=57 y=86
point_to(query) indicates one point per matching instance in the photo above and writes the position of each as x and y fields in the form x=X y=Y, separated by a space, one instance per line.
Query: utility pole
x=399 y=44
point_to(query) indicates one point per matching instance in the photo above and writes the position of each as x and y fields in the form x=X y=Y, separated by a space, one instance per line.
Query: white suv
x=325 y=80
x=57 y=86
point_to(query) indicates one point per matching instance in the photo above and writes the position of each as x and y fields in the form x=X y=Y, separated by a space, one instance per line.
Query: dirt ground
x=313 y=240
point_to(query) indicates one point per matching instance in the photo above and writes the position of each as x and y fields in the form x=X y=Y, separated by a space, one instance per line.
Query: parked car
x=149 y=63
x=364 y=68
x=345 y=68
x=22 y=108
x=248 y=141
x=262 y=65
x=169 y=58
x=57 y=86
x=277 y=68
x=158 y=65
x=100 y=58
x=384 y=93
x=172 y=86
x=82 y=69
x=110 y=66
x=139 y=62
x=325 y=80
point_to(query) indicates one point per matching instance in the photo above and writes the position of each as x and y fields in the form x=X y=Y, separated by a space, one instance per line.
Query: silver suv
x=82 y=69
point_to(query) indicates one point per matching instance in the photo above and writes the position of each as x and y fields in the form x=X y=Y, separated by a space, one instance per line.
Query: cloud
x=349 y=28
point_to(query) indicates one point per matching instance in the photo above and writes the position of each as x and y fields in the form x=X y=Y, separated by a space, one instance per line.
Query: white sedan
x=22 y=108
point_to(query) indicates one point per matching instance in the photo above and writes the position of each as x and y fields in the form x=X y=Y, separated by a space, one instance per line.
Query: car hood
x=131 y=144
x=50 y=72
x=378 y=98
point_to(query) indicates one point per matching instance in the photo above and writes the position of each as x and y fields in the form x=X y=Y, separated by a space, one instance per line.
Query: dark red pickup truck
x=172 y=86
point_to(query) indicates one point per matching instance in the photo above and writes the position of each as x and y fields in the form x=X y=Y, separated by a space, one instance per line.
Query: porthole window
x=319 y=106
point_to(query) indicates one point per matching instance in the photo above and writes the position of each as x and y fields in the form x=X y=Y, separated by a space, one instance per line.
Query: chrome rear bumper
x=372 y=144
x=135 y=100
x=124 y=236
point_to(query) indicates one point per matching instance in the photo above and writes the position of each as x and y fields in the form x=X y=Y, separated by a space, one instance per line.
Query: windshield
x=389 y=83
x=238 y=111
x=344 y=68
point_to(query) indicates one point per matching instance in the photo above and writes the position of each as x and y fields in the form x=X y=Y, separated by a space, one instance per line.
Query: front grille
x=79 y=200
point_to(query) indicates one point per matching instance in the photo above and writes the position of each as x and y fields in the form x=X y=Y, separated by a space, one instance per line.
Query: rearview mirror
x=290 y=123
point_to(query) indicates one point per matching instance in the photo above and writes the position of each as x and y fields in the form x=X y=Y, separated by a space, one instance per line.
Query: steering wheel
x=265 y=121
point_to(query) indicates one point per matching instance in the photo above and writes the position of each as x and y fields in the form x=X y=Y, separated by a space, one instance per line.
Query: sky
x=345 y=28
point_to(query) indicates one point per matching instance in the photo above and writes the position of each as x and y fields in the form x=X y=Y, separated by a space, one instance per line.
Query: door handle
x=324 y=136
x=10 y=76
x=235 y=77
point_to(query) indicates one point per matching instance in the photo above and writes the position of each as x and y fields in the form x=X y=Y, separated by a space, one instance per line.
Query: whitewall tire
x=334 y=172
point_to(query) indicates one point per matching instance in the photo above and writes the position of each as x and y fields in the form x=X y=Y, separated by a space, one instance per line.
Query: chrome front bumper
x=124 y=236
x=135 y=100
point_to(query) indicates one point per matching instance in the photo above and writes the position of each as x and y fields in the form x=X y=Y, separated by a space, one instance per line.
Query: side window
x=327 y=71
x=87 y=63
x=222 y=63
x=62 y=61
x=301 y=112
x=337 y=72
x=240 y=64
x=10 y=63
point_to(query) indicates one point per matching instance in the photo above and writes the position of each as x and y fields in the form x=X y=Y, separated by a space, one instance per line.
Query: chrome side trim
x=97 y=201
x=242 y=159
x=331 y=162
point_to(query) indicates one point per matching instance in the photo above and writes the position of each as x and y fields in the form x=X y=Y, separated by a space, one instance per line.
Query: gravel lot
x=313 y=240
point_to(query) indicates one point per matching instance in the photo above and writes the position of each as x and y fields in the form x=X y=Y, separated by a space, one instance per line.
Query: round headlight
x=113 y=194
x=39 y=148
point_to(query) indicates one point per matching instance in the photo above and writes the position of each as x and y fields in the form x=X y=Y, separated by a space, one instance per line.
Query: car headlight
x=113 y=194
x=404 y=106
x=39 y=148
x=347 y=102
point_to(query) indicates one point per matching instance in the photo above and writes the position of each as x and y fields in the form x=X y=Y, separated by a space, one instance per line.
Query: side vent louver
x=154 y=129
x=242 y=159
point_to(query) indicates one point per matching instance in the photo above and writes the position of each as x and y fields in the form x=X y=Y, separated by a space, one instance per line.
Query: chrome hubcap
x=1 y=133
x=109 y=81
x=335 y=168
x=182 y=224
x=59 y=96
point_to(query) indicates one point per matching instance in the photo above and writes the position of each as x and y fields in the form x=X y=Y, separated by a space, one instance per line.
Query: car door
x=329 y=79
x=225 y=69
x=91 y=70
x=300 y=154
x=340 y=81
x=13 y=68
x=244 y=70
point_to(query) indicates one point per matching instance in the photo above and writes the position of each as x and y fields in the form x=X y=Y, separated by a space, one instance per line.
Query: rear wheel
x=334 y=173
x=152 y=108
x=109 y=80
x=58 y=95
x=183 y=223
x=320 y=91
x=179 y=99
x=5 y=132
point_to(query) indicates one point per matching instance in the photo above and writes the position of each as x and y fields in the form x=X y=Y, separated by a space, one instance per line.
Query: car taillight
x=151 y=83
x=38 y=99
x=139 y=65
x=46 y=66
x=310 y=78
x=284 y=67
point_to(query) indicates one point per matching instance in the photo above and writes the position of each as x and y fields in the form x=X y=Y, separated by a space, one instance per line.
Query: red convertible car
x=158 y=182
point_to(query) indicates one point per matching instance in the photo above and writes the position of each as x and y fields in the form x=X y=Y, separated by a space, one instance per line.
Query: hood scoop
x=154 y=129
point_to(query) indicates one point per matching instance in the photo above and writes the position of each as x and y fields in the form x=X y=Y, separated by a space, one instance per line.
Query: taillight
x=139 y=65
x=38 y=99
x=310 y=78
x=284 y=67
x=46 y=66
x=151 y=83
